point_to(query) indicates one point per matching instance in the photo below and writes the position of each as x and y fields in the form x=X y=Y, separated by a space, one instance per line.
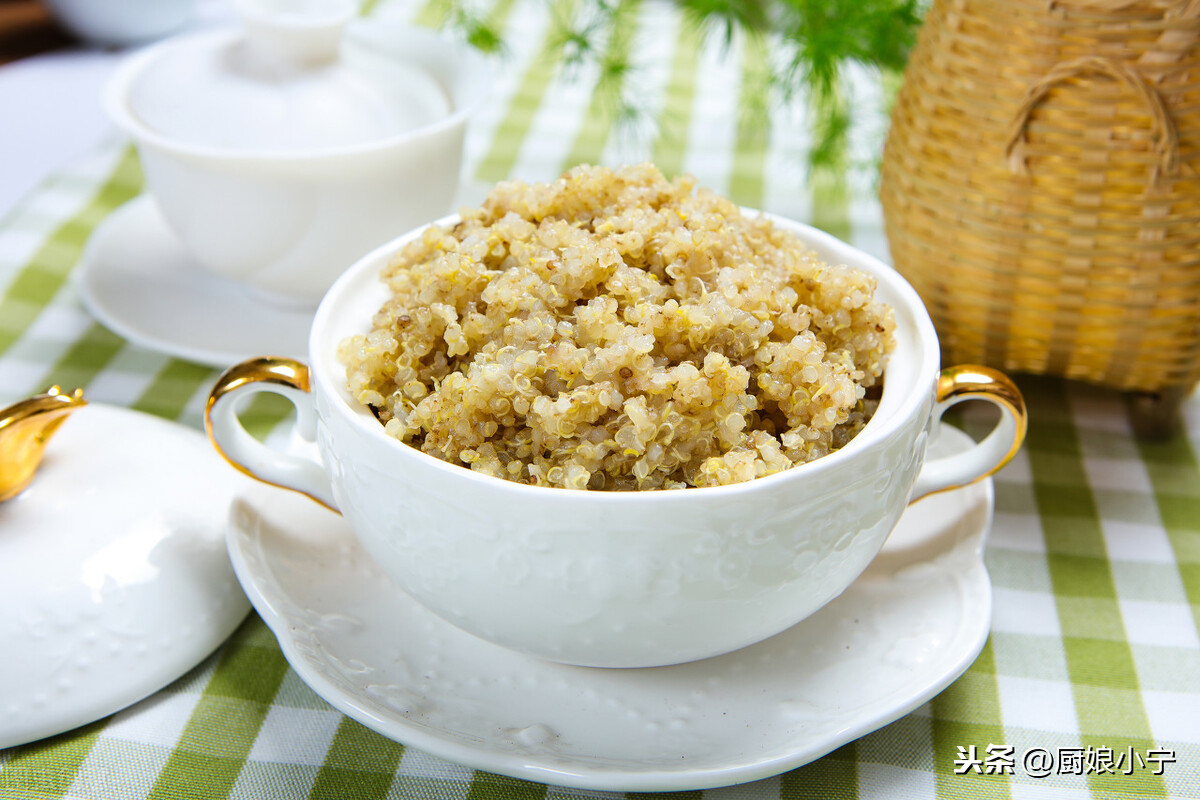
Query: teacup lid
x=114 y=576
x=287 y=81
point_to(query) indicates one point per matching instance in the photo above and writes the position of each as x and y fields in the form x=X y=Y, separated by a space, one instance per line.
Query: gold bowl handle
x=290 y=379
x=974 y=382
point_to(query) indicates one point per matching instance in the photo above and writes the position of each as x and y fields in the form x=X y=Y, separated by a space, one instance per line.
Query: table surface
x=1094 y=555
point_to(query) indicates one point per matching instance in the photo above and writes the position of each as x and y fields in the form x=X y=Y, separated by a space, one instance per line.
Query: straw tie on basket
x=1169 y=6
x=1166 y=139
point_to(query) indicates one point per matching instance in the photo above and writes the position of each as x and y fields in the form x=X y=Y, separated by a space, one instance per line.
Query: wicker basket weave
x=1040 y=190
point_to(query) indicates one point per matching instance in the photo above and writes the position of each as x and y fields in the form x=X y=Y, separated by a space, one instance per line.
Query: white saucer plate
x=136 y=279
x=114 y=575
x=909 y=626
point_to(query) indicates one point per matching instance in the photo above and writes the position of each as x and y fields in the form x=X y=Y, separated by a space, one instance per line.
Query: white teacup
x=122 y=22
x=286 y=218
x=618 y=579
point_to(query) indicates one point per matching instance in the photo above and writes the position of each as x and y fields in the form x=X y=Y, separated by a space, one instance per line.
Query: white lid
x=114 y=577
x=286 y=82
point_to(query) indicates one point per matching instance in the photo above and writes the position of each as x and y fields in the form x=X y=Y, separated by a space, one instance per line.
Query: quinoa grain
x=615 y=330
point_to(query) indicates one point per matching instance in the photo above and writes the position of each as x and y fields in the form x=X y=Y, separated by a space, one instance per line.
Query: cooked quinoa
x=615 y=330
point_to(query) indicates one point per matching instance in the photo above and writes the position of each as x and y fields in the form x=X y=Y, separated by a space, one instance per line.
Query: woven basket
x=1039 y=187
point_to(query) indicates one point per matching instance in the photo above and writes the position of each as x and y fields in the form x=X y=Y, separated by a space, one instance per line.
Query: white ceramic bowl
x=122 y=22
x=616 y=578
x=287 y=220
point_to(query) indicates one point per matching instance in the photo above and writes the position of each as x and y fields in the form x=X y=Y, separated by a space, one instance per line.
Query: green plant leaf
x=812 y=39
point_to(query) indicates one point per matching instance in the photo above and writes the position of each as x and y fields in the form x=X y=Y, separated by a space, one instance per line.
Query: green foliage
x=600 y=32
x=728 y=15
x=811 y=42
x=824 y=34
x=820 y=37
x=481 y=35
x=477 y=29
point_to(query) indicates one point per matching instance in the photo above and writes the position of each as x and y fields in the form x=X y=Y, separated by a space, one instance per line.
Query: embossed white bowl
x=617 y=579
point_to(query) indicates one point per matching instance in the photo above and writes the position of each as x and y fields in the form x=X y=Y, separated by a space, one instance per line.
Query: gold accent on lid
x=25 y=428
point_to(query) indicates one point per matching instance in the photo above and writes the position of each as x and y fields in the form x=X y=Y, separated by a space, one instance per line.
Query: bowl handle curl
x=288 y=378
x=973 y=382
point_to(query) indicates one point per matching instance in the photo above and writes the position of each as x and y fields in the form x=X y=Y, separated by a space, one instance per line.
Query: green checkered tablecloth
x=1094 y=655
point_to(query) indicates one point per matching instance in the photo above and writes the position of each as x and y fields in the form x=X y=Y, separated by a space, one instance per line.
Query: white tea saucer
x=908 y=627
x=136 y=279
x=114 y=576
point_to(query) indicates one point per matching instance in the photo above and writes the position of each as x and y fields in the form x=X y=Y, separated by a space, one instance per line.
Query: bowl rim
x=926 y=358
x=116 y=105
